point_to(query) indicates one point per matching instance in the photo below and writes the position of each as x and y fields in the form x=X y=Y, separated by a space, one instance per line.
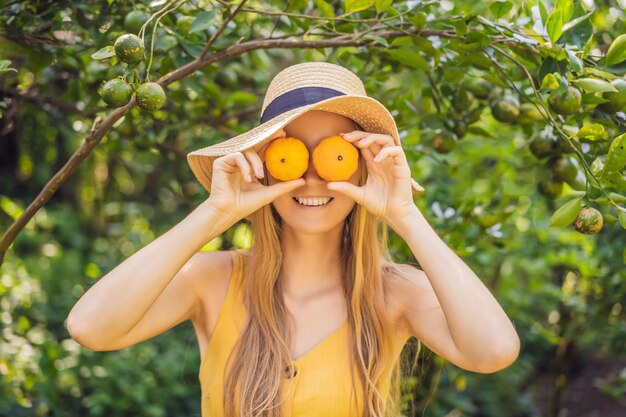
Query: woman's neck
x=311 y=263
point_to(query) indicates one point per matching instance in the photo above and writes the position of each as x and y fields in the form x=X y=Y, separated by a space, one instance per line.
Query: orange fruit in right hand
x=335 y=159
x=287 y=158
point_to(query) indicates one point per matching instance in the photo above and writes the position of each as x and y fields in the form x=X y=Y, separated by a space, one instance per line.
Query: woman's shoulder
x=211 y=269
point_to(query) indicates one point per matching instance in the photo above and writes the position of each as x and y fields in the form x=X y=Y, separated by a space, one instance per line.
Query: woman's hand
x=387 y=192
x=235 y=189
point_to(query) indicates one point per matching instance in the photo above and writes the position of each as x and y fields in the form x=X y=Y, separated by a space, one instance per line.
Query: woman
x=311 y=320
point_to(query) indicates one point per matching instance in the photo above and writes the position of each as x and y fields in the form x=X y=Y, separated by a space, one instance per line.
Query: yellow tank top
x=320 y=382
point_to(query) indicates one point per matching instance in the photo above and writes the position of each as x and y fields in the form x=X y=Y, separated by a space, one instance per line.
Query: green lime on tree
x=543 y=145
x=550 y=187
x=479 y=87
x=505 y=108
x=116 y=92
x=443 y=143
x=563 y=146
x=564 y=169
x=588 y=221
x=150 y=96
x=134 y=20
x=529 y=113
x=129 y=48
x=461 y=100
x=567 y=102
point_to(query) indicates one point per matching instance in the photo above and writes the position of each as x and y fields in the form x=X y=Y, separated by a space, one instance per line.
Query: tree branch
x=101 y=127
x=33 y=95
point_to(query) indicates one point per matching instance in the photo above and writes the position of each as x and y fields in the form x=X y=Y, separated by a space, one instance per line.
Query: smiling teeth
x=312 y=201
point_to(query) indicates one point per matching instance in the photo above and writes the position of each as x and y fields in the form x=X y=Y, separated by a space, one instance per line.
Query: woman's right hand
x=233 y=195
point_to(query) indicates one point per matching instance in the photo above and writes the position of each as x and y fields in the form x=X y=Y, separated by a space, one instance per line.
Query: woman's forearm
x=118 y=301
x=478 y=325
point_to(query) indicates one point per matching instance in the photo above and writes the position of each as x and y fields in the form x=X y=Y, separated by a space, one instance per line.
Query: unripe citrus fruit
x=461 y=100
x=134 y=20
x=335 y=158
x=116 y=92
x=129 y=48
x=617 y=101
x=479 y=87
x=286 y=158
x=505 y=109
x=588 y=221
x=543 y=145
x=564 y=169
x=443 y=143
x=528 y=113
x=150 y=96
x=551 y=188
x=566 y=103
x=563 y=146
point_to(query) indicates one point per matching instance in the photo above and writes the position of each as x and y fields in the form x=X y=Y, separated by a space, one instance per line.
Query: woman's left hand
x=387 y=192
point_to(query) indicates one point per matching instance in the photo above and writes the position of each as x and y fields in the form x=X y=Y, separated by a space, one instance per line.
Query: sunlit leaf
x=358 y=5
x=104 y=53
x=554 y=25
x=500 y=8
x=617 y=51
x=567 y=213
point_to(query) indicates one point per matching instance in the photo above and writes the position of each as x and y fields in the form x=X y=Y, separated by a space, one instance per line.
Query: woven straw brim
x=366 y=111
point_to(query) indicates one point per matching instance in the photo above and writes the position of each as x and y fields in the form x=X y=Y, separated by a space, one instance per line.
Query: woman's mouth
x=311 y=203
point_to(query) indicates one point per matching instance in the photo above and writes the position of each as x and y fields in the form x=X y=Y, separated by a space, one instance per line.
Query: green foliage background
x=564 y=291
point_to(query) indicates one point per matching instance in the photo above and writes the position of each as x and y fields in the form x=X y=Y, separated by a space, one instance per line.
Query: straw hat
x=292 y=92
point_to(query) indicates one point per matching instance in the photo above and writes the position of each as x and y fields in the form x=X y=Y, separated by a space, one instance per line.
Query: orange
x=335 y=158
x=287 y=158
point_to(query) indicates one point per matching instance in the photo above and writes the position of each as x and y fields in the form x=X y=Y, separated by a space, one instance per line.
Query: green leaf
x=500 y=8
x=542 y=11
x=572 y=23
x=594 y=85
x=408 y=57
x=478 y=37
x=104 y=53
x=566 y=7
x=592 y=132
x=567 y=213
x=618 y=198
x=554 y=25
x=616 y=157
x=617 y=51
x=4 y=66
x=575 y=64
x=352 y=6
x=383 y=5
x=550 y=82
x=378 y=39
x=460 y=26
x=609 y=219
x=419 y=20
x=204 y=20
x=326 y=10
x=621 y=214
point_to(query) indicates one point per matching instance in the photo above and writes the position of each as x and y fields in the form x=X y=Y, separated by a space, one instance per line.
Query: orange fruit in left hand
x=335 y=159
x=286 y=158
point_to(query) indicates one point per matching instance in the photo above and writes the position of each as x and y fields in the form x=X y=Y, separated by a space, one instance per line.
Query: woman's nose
x=311 y=173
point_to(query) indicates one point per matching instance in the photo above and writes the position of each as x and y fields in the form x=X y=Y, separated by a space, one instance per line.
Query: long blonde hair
x=262 y=352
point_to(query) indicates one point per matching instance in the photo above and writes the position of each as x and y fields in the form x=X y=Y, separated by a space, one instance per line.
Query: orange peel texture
x=335 y=159
x=287 y=158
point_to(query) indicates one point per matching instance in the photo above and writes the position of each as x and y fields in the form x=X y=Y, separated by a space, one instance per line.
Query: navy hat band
x=297 y=98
